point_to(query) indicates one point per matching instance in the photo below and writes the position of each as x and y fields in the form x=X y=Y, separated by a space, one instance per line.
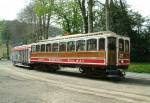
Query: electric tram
x=100 y=53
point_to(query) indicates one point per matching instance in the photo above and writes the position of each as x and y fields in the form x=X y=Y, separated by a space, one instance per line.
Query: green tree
x=6 y=37
x=28 y=16
x=44 y=11
x=119 y=19
x=68 y=15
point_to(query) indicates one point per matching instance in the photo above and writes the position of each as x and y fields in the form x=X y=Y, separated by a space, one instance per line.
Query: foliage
x=6 y=35
x=16 y=31
x=68 y=15
x=129 y=23
x=139 y=67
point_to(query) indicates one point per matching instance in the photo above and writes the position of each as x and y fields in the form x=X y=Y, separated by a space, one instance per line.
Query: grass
x=139 y=67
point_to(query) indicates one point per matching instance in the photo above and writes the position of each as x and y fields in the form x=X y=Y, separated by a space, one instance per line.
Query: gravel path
x=19 y=85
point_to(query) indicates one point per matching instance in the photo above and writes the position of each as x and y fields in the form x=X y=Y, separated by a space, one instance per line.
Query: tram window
x=121 y=45
x=81 y=45
x=71 y=46
x=48 y=48
x=55 y=47
x=62 y=47
x=91 y=44
x=33 y=48
x=43 y=48
x=37 y=48
x=101 y=44
x=126 y=46
x=111 y=43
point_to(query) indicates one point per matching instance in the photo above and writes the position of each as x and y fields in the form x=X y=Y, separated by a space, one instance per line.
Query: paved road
x=19 y=85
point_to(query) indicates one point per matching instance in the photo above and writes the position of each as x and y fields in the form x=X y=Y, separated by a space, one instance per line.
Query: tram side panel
x=69 y=58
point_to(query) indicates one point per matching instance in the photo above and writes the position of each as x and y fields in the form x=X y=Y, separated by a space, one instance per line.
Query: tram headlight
x=122 y=61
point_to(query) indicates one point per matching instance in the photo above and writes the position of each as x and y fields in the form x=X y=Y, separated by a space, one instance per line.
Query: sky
x=142 y=6
x=10 y=8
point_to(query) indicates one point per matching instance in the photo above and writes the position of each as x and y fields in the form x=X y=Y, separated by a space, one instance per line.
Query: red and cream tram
x=103 y=53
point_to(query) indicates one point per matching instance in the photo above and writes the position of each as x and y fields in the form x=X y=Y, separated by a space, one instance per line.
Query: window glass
x=33 y=48
x=126 y=46
x=91 y=44
x=71 y=46
x=101 y=44
x=121 y=45
x=55 y=47
x=62 y=47
x=37 y=48
x=43 y=48
x=48 y=48
x=81 y=45
x=111 y=43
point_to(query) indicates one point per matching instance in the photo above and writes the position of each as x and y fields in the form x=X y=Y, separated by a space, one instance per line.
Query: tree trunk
x=90 y=16
x=84 y=14
x=107 y=15
x=48 y=23
x=68 y=28
x=7 y=47
x=44 y=26
x=40 y=28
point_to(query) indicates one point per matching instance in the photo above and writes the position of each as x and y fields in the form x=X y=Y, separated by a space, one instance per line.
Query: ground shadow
x=136 y=81
x=127 y=80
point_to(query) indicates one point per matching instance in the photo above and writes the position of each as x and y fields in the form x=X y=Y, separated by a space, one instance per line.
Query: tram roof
x=102 y=33
x=21 y=47
x=75 y=36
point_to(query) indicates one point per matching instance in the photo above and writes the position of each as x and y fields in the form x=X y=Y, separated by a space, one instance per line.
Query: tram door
x=112 y=51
